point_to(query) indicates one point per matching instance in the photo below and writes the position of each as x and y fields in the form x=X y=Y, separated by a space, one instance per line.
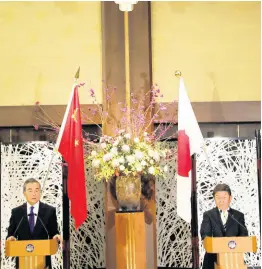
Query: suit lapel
x=218 y=216
x=38 y=225
x=229 y=220
x=26 y=218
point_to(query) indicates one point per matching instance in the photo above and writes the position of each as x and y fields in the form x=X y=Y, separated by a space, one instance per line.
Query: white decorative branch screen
x=234 y=162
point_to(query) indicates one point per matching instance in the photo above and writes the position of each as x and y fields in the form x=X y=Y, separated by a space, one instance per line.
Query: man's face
x=32 y=193
x=222 y=200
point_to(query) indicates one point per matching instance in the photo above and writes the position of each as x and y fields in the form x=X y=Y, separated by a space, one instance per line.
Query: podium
x=31 y=253
x=230 y=250
x=130 y=240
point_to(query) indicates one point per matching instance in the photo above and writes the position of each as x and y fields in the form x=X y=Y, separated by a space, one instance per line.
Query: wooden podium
x=230 y=250
x=130 y=240
x=31 y=253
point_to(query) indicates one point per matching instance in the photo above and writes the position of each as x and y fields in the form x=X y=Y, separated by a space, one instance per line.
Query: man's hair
x=222 y=187
x=30 y=180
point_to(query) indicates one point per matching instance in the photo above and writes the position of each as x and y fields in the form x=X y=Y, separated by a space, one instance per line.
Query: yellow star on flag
x=74 y=114
x=76 y=143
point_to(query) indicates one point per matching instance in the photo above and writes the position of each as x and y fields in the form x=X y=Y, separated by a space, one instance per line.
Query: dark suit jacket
x=212 y=226
x=47 y=214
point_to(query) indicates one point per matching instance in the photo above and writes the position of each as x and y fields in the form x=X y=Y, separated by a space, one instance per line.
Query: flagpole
x=194 y=220
x=54 y=150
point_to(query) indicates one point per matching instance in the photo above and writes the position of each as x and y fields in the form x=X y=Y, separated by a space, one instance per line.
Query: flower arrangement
x=132 y=149
x=125 y=155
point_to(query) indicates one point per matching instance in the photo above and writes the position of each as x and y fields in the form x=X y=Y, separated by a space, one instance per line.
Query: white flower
x=145 y=133
x=121 y=159
x=103 y=145
x=122 y=168
x=115 y=163
x=139 y=155
x=156 y=156
x=143 y=163
x=107 y=157
x=121 y=131
x=151 y=161
x=165 y=168
x=136 y=140
x=125 y=148
x=102 y=139
x=151 y=170
x=127 y=136
x=95 y=163
x=151 y=153
x=115 y=144
x=130 y=158
x=93 y=153
x=114 y=151
x=138 y=168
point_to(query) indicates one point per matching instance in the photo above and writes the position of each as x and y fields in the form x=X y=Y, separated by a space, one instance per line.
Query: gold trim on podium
x=130 y=240
x=31 y=262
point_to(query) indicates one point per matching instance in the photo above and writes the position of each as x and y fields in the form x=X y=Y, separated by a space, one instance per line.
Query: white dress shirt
x=36 y=209
x=224 y=216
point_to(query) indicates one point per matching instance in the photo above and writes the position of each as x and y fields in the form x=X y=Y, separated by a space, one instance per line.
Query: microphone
x=232 y=216
x=41 y=223
x=18 y=225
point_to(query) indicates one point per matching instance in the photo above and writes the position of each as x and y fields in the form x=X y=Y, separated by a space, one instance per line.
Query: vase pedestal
x=130 y=240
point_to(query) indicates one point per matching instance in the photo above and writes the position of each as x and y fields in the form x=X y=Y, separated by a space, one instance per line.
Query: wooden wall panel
x=140 y=82
x=113 y=59
x=206 y=112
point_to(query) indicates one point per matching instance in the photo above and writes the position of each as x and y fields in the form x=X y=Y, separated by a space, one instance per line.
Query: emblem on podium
x=232 y=244
x=29 y=248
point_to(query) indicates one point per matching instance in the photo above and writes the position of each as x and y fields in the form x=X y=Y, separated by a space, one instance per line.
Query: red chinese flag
x=70 y=145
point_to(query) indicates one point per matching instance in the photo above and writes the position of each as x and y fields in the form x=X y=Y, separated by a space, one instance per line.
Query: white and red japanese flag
x=190 y=140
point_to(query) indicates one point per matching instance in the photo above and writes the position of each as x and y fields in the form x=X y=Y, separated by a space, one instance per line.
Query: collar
x=220 y=210
x=36 y=207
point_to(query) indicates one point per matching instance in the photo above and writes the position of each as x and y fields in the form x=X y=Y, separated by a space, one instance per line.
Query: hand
x=59 y=239
x=11 y=238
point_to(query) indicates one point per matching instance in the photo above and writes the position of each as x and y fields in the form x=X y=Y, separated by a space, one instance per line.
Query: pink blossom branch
x=89 y=119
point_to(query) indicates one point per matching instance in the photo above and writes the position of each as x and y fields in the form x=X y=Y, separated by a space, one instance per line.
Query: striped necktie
x=224 y=216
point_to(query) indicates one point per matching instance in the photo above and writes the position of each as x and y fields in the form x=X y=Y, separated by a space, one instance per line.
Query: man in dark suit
x=221 y=221
x=33 y=220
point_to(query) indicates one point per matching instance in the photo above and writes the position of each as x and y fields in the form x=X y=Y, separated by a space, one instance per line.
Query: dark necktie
x=224 y=216
x=31 y=219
